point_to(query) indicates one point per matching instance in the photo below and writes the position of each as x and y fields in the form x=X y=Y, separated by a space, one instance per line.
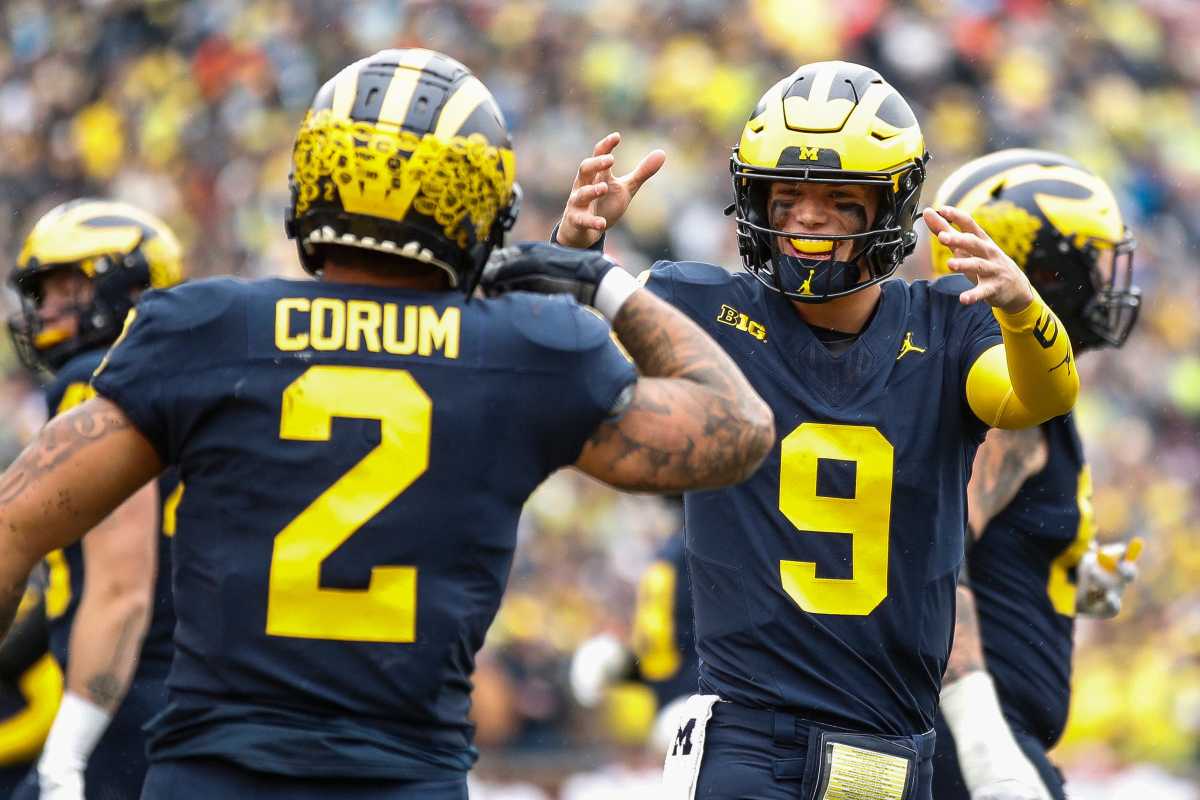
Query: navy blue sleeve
x=589 y=373
x=168 y=338
x=690 y=286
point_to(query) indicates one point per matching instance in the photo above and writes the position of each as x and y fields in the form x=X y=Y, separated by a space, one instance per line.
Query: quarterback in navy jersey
x=356 y=450
x=1033 y=562
x=824 y=586
x=108 y=599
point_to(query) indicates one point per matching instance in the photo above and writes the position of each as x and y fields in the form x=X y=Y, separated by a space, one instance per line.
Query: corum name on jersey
x=336 y=324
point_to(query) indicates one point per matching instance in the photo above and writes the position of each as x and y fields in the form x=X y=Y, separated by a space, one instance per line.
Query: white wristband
x=77 y=728
x=614 y=289
x=987 y=751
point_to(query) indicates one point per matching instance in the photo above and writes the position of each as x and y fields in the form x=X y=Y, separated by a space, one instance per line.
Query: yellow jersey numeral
x=1060 y=587
x=866 y=516
x=386 y=611
x=654 y=623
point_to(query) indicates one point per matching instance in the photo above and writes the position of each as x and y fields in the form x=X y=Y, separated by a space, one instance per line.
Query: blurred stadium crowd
x=188 y=108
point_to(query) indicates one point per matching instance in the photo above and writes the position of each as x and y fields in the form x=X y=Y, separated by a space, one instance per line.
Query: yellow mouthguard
x=50 y=337
x=812 y=246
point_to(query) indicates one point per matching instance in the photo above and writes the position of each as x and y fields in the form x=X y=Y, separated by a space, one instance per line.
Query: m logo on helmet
x=807 y=153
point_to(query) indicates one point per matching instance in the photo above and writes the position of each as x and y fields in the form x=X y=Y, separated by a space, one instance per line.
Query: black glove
x=546 y=269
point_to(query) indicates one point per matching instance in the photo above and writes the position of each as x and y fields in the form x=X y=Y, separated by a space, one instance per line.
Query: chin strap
x=482 y=251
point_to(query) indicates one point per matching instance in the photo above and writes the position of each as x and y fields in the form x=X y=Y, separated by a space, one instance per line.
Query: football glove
x=596 y=665
x=546 y=268
x=1102 y=576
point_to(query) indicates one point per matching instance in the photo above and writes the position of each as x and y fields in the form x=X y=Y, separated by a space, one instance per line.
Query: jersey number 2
x=866 y=516
x=386 y=611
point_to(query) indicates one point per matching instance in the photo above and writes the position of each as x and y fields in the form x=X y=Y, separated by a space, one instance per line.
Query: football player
x=108 y=598
x=824 y=585
x=661 y=653
x=356 y=449
x=1032 y=560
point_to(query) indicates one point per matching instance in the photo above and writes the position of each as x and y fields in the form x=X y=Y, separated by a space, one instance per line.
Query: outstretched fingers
x=650 y=164
x=963 y=221
x=579 y=206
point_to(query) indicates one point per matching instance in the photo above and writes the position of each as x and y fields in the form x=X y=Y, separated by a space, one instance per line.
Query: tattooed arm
x=79 y=468
x=693 y=421
x=120 y=558
x=966 y=655
x=1005 y=460
x=991 y=761
x=989 y=757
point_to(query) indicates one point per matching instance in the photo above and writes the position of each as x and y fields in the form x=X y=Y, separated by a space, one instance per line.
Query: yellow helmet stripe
x=459 y=106
x=345 y=90
x=404 y=83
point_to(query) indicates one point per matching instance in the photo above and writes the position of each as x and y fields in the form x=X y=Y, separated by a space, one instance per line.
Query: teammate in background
x=357 y=449
x=824 y=586
x=661 y=654
x=108 y=597
x=30 y=687
x=1032 y=560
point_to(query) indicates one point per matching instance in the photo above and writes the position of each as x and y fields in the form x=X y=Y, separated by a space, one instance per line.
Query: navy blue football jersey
x=355 y=459
x=664 y=640
x=1022 y=571
x=824 y=585
x=70 y=387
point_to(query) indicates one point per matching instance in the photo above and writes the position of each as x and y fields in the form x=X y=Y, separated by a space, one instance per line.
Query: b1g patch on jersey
x=728 y=315
x=682 y=767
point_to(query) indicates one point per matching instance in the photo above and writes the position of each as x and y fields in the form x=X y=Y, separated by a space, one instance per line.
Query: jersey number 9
x=865 y=517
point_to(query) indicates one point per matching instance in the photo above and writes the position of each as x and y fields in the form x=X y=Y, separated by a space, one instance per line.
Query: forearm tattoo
x=699 y=437
x=55 y=444
x=1006 y=460
x=106 y=688
x=58 y=441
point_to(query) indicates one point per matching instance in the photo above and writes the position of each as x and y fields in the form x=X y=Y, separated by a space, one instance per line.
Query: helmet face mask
x=877 y=251
x=1093 y=287
x=831 y=123
x=404 y=153
x=1112 y=311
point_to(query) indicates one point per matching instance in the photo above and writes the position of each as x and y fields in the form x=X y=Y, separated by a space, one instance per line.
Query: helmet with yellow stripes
x=404 y=153
x=1059 y=223
x=831 y=122
x=121 y=250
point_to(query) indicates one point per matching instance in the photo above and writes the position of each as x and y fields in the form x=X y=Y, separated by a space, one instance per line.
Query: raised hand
x=1102 y=576
x=598 y=199
x=547 y=269
x=999 y=282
